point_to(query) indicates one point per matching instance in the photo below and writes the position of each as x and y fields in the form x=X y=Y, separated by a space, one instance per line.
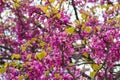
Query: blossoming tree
x=51 y=39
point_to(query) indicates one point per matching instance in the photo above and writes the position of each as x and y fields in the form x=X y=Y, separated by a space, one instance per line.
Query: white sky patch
x=78 y=42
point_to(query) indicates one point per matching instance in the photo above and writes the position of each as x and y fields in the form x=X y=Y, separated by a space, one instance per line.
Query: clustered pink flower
x=43 y=41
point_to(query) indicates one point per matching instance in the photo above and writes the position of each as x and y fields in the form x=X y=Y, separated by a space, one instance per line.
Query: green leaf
x=40 y=55
x=42 y=43
x=88 y=29
x=95 y=67
x=51 y=1
x=2 y=70
x=16 y=56
x=58 y=15
x=57 y=75
x=29 y=56
x=70 y=30
x=23 y=48
x=92 y=74
x=85 y=58
x=86 y=54
x=21 y=77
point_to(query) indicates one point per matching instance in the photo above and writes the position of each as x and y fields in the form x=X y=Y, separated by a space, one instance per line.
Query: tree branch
x=71 y=74
x=7 y=48
x=75 y=10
